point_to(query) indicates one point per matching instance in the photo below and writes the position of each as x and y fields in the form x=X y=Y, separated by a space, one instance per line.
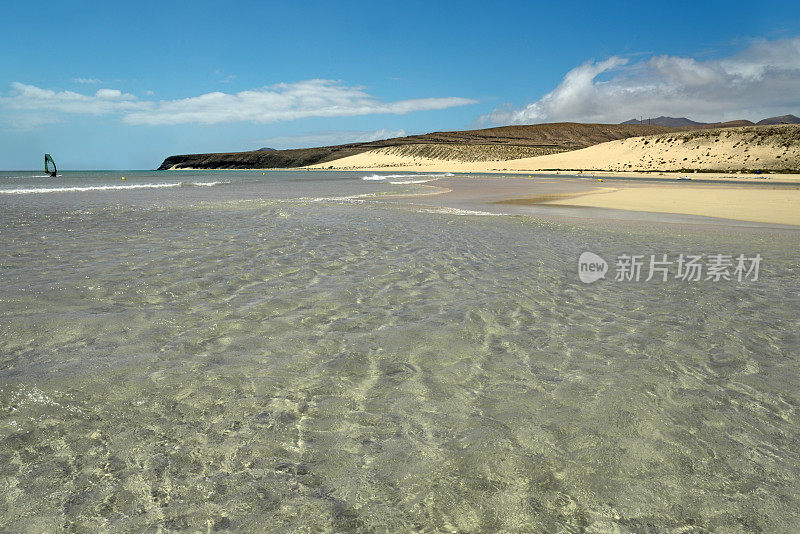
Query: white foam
x=457 y=211
x=377 y=177
x=126 y=187
x=404 y=182
x=352 y=198
x=203 y=184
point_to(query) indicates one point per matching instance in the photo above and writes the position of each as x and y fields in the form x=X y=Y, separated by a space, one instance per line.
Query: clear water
x=306 y=352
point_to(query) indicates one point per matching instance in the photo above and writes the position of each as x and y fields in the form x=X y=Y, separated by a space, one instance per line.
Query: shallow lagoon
x=300 y=352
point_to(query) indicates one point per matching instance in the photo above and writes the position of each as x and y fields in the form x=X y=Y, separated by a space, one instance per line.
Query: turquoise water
x=306 y=352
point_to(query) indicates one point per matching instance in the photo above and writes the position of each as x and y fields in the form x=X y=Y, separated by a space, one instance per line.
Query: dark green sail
x=48 y=163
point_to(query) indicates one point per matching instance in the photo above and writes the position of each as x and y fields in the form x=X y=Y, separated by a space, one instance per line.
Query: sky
x=122 y=85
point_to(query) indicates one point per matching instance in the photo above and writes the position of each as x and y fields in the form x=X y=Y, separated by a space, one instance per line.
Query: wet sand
x=768 y=205
x=548 y=196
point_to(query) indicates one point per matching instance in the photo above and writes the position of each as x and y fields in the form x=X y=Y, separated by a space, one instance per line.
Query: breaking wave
x=379 y=177
x=25 y=176
x=458 y=211
x=126 y=187
x=347 y=199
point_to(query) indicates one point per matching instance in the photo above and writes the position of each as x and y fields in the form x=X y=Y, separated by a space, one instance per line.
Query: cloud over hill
x=762 y=80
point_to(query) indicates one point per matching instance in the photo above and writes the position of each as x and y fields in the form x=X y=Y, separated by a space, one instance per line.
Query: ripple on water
x=338 y=367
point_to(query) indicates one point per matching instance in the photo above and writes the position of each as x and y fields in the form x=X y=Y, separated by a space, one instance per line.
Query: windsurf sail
x=49 y=165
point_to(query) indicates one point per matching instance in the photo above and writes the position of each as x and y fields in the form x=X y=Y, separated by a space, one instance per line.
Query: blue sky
x=123 y=85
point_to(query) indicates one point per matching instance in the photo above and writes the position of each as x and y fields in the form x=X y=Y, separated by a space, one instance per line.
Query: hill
x=547 y=138
x=688 y=124
x=674 y=122
x=783 y=119
x=749 y=148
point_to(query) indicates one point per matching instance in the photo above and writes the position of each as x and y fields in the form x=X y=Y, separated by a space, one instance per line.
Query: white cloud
x=336 y=137
x=87 y=80
x=282 y=102
x=760 y=81
x=32 y=98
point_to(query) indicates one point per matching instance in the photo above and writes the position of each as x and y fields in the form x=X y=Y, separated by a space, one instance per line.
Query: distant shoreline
x=762 y=179
x=758 y=168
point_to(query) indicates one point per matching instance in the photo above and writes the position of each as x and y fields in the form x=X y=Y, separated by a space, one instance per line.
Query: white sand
x=781 y=206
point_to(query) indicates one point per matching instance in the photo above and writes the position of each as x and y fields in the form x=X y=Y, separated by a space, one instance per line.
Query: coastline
x=771 y=199
x=777 y=177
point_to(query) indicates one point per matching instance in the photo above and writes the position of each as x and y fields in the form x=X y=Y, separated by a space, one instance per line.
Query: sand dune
x=768 y=148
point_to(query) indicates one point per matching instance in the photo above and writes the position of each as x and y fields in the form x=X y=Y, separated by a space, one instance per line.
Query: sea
x=352 y=352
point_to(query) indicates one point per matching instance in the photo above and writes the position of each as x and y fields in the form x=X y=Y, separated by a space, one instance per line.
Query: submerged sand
x=274 y=355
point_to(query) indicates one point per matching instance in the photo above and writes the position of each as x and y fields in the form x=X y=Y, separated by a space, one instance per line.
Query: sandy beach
x=475 y=268
x=767 y=205
x=562 y=196
x=733 y=158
